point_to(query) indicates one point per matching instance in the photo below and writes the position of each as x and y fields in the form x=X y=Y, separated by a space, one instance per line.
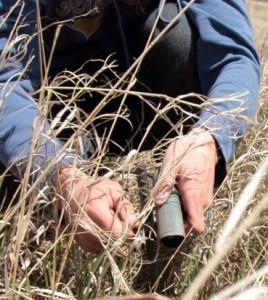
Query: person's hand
x=189 y=162
x=89 y=202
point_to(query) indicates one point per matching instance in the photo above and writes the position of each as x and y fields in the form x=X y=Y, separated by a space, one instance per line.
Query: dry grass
x=40 y=260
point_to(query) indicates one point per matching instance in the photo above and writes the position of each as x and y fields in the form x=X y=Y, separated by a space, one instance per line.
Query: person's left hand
x=189 y=163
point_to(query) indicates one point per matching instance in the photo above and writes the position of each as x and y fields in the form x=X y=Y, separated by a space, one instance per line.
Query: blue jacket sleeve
x=228 y=68
x=18 y=110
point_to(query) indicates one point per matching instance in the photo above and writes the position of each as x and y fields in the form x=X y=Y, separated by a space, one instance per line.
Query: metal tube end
x=170 y=222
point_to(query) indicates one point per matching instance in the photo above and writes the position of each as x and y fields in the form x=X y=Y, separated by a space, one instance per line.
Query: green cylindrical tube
x=170 y=221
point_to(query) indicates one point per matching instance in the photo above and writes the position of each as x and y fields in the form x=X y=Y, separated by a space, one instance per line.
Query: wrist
x=69 y=174
x=204 y=138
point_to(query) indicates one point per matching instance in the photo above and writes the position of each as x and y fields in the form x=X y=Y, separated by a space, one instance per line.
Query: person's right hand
x=92 y=202
x=189 y=163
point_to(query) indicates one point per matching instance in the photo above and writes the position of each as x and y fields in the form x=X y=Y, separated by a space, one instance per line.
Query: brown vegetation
x=40 y=260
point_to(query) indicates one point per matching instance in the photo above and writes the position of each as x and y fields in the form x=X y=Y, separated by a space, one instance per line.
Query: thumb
x=168 y=174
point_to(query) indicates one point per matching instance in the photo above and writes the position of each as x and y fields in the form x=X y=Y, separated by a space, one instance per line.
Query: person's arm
x=228 y=65
x=19 y=113
x=89 y=203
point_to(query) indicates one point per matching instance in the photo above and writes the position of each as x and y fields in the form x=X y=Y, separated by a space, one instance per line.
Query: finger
x=86 y=234
x=194 y=210
x=190 y=225
x=196 y=188
x=162 y=192
x=197 y=222
x=127 y=214
x=101 y=214
x=88 y=241
x=124 y=209
x=187 y=227
x=167 y=176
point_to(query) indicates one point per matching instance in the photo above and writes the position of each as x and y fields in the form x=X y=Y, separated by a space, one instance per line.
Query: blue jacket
x=228 y=65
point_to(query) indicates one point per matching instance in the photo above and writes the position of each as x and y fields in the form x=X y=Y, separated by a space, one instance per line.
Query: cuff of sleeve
x=40 y=161
x=226 y=133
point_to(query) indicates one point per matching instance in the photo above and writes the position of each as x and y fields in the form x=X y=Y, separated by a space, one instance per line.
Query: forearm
x=24 y=130
x=24 y=133
x=228 y=70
